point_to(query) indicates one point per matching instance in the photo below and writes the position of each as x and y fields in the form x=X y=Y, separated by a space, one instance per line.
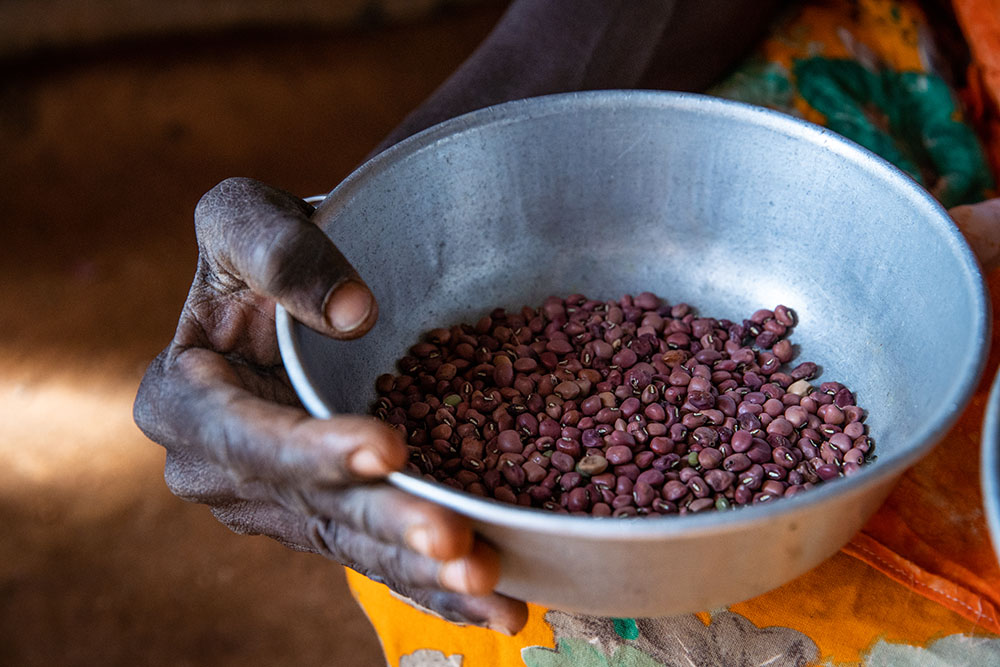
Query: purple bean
x=827 y=471
x=534 y=472
x=508 y=441
x=701 y=504
x=855 y=456
x=623 y=500
x=579 y=500
x=851 y=468
x=570 y=481
x=784 y=457
x=644 y=459
x=720 y=480
x=752 y=477
x=513 y=473
x=652 y=477
x=709 y=458
x=742 y=494
x=760 y=451
x=662 y=506
x=780 y=426
x=629 y=407
x=699 y=487
x=737 y=462
x=774 y=471
x=706 y=436
x=841 y=441
x=643 y=494
x=674 y=490
x=618 y=454
x=563 y=462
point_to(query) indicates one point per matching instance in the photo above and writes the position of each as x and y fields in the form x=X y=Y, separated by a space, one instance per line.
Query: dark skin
x=237 y=440
x=218 y=400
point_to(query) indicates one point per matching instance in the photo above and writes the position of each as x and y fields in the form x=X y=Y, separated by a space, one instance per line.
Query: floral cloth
x=920 y=584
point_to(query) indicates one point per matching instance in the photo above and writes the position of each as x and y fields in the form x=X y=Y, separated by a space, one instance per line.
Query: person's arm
x=540 y=47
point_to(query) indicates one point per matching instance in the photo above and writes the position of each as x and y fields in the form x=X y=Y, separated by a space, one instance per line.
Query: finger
x=395 y=517
x=476 y=573
x=493 y=611
x=387 y=514
x=194 y=402
x=251 y=232
x=980 y=224
x=490 y=610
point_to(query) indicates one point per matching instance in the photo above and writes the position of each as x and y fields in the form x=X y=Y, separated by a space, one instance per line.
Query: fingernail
x=349 y=306
x=421 y=539
x=367 y=463
x=454 y=575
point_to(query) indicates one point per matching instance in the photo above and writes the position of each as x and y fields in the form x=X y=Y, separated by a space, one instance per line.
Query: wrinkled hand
x=218 y=400
x=980 y=224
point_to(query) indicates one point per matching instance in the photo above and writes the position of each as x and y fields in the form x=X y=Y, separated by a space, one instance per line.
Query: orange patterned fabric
x=920 y=583
x=980 y=22
x=931 y=533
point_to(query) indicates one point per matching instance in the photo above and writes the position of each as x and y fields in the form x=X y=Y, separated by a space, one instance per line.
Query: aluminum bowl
x=722 y=205
x=990 y=469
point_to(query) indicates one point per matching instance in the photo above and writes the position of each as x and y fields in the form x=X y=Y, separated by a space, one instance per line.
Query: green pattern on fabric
x=580 y=653
x=908 y=118
x=759 y=82
x=626 y=628
x=945 y=652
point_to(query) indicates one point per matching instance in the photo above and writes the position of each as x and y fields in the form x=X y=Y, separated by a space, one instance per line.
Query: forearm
x=550 y=46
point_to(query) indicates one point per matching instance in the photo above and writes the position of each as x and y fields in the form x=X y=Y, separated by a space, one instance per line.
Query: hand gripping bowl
x=725 y=206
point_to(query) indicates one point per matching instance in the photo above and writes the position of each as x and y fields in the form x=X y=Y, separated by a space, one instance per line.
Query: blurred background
x=115 y=117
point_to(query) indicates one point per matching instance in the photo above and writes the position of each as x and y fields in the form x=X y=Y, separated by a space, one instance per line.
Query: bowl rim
x=651 y=528
x=990 y=464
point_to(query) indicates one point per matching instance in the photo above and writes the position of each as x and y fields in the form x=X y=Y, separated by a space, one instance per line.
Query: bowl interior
x=727 y=207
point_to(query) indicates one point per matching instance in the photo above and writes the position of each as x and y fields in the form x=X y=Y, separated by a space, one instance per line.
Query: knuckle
x=277 y=264
x=222 y=195
x=295 y=255
x=374 y=512
x=394 y=563
x=327 y=538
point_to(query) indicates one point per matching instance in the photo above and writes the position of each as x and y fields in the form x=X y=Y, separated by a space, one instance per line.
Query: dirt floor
x=104 y=155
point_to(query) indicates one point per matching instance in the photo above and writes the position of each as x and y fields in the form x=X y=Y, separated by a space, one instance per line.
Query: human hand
x=980 y=224
x=237 y=440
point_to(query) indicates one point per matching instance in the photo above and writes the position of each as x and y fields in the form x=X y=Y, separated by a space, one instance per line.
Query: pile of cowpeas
x=621 y=408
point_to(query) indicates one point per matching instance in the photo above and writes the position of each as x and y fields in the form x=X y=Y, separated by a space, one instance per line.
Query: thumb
x=255 y=235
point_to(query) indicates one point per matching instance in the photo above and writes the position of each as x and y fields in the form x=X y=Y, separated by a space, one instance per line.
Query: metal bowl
x=990 y=469
x=722 y=205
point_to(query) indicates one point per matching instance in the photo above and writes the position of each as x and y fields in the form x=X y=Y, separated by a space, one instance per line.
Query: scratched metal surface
x=728 y=207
